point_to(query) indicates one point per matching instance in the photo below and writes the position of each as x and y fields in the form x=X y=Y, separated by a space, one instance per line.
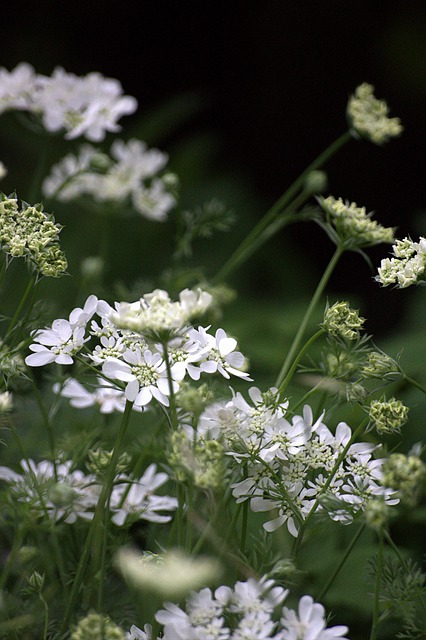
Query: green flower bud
x=355 y=392
x=380 y=365
x=343 y=322
x=406 y=474
x=100 y=459
x=96 y=626
x=388 y=416
x=376 y=513
x=61 y=494
x=315 y=182
x=36 y=581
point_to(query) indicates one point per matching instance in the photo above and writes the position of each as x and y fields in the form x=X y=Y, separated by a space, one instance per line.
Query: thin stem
x=20 y=306
x=293 y=368
x=341 y=563
x=379 y=568
x=244 y=249
x=307 y=317
x=414 y=383
x=94 y=524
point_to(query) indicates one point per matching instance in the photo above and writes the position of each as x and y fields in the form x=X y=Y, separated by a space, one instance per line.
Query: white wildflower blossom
x=406 y=267
x=17 y=87
x=309 y=623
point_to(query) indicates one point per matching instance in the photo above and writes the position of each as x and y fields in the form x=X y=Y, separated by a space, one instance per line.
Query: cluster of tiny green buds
x=347 y=223
x=355 y=392
x=380 y=365
x=376 y=513
x=100 y=459
x=193 y=400
x=339 y=365
x=12 y=363
x=406 y=474
x=96 y=626
x=406 y=267
x=36 y=581
x=202 y=463
x=368 y=117
x=30 y=233
x=341 y=321
x=387 y=416
x=315 y=182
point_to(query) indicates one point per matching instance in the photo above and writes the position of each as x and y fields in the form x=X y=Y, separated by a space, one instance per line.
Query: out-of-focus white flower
x=105 y=396
x=368 y=116
x=170 y=575
x=139 y=501
x=17 y=87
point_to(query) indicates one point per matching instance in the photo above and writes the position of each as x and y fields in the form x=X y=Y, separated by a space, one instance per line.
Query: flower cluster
x=342 y=321
x=296 y=467
x=145 y=349
x=130 y=173
x=406 y=474
x=388 y=416
x=248 y=610
x=407 y=267
x=30 y=233
x=368 y=116
x=62 y=493
x=82 y=106
x=95 y=626
x=348 y=223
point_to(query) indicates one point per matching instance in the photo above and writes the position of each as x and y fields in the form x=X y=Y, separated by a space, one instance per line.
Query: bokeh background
x=243 y=96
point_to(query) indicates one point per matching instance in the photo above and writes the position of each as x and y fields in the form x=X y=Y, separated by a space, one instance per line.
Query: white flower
x=107 y=397
x=137 y=634
x=145 y=374
x=17 y=87
x=217 y=354
x=64 y=339
x=71 y=177
x=309 y=623
x=153 y=202
x=171 y=575
x=138 y=501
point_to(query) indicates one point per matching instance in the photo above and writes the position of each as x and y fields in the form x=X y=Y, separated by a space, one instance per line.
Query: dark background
x=269 y=83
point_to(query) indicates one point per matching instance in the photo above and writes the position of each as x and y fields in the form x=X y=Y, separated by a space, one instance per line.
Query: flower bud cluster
x=406 y=474
x=343 y=322
x=352 y=224
x=131 y=173
x=380 y=365
x=201 y=462
x=368 y=116
x=406 y=267
x=96 y=626
x=82 y=106
x=32 y=234
x=388 y=416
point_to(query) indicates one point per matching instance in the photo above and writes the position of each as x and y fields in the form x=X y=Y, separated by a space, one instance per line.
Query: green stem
x=244 y=249
x=97 y=518
x=414 y=383
x=376 y=606
x=293 y=368
x=341 y=563
x=307 y=317
x=20 y=306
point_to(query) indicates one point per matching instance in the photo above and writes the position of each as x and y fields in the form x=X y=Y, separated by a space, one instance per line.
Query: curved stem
x=414 y=383
x=20 y=306
x=288 y=363
x=245 y=248
x=293 y=367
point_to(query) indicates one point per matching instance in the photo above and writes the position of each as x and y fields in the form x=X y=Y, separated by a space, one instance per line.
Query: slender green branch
x=414 y=383
x=341 y=563
x=245 y=248
x=376 y=606
x=288 y=363
x=20 y=307
x=97 y=518
x=293 y=368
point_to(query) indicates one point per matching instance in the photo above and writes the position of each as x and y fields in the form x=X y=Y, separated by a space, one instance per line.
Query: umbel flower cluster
x=82 y=106
x=60 y=492
x=145 y=349
x=368 y=116
x=131 y=172
x=30 y=233
x=294 y=465
x=406 y=267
